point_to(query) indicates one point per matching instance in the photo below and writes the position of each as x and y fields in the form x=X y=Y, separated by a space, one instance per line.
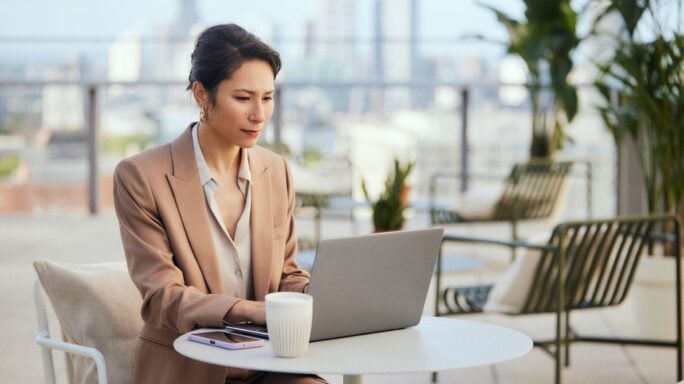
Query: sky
x=26 y=25
x=108 y=17
x=441 y=22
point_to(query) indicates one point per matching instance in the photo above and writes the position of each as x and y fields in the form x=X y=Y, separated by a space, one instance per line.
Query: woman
x=207 y=221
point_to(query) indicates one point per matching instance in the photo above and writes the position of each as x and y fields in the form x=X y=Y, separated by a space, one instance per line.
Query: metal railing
x=94 y=88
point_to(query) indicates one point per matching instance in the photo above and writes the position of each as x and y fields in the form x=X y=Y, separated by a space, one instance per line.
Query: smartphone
x=227 y=340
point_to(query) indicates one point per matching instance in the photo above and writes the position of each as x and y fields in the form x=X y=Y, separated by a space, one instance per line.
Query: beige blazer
x=165 y=232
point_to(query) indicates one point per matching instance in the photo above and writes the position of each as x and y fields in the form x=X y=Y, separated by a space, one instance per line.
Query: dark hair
x=220 y=50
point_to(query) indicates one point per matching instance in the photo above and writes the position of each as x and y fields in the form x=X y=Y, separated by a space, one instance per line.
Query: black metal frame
x=595 y=261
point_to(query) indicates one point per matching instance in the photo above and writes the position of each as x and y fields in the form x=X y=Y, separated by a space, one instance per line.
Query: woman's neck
x=223 y=159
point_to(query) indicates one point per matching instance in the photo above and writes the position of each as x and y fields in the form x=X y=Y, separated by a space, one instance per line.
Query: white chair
x=325 y=189
x=98 y=310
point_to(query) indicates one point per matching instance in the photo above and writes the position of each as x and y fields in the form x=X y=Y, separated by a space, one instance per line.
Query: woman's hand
x=247 y=310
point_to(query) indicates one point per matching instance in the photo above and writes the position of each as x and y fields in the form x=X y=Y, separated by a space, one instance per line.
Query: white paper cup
x=288 y=318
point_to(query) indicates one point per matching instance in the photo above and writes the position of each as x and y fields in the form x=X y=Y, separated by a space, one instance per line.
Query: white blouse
x=234 y=255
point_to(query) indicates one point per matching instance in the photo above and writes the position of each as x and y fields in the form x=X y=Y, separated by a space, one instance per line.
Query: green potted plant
x=642 y=85
x=388 y=208
x=544 y=40
x=648 y=75
x=8 y=165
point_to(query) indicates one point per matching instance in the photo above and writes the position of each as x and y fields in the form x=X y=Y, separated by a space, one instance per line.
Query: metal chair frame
x=585 y=264
x=47 y=343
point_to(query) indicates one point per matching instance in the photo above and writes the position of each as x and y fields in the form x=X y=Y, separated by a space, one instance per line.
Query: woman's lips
x=251 y=133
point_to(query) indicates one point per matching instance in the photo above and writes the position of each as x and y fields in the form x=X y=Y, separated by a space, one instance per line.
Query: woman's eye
x=268 y=98
x=241 y=98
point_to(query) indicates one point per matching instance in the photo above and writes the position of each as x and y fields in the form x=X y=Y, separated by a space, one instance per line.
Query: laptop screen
x=372 y=283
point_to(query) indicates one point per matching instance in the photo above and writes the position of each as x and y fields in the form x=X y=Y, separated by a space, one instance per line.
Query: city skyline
x=35 y=33
x=54 y=31
x=368 y=124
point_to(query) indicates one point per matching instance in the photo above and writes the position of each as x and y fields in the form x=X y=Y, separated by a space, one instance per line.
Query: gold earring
x=203 y=115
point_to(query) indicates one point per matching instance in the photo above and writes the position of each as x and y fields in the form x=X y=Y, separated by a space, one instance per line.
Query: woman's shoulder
x=156 y=158
x=267 y=157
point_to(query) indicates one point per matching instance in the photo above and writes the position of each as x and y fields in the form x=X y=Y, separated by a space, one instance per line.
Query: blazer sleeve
x=293 y=277
x=168 y=303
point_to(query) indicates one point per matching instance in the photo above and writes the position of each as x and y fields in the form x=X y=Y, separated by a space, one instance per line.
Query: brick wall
x=52 y=197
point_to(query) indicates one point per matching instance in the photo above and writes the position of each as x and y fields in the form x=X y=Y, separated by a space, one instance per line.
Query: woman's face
x=243 y=104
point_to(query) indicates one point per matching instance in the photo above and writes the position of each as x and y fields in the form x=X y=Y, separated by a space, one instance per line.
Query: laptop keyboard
x=249 y=329
x=253 y=327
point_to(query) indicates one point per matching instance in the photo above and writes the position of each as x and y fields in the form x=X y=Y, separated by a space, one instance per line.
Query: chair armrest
x=47 y=343
x=44 y=340
x=459 y=175
x=505 y=243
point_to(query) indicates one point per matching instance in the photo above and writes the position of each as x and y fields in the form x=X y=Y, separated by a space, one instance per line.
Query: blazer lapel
x=261 y=225
x=190 y=200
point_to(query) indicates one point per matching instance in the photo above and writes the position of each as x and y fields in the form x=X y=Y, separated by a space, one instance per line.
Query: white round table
x=435 y=344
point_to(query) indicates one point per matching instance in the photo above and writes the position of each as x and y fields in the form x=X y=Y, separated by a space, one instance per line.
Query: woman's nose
x=257 y=114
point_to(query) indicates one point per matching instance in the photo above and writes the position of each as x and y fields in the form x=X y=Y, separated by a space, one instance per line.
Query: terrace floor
x=83 y=239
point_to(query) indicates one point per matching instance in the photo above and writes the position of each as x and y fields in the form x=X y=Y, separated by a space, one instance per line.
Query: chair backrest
x=330 y=176
x=533 y=190
x=98 y=306
x=600 y=260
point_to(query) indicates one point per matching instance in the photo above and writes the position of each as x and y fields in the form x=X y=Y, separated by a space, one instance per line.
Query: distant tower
x=413 y=40
x=62 y=107
x=337 y=26
x=377 y=96
x=174 y=43
x=309 y=38
x=187 y=16
x=378 y=42
x=397 y=32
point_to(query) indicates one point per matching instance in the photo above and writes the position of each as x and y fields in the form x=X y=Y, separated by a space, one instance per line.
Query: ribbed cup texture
x=289 y=323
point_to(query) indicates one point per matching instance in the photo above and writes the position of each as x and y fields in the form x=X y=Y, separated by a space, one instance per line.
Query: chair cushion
x=478 y=203
x=97 y=306
x=511 y=289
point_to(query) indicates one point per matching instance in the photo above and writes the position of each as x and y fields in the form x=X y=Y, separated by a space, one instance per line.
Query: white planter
x=653 y=298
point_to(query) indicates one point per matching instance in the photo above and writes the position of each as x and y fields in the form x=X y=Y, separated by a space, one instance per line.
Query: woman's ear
x=200 y=94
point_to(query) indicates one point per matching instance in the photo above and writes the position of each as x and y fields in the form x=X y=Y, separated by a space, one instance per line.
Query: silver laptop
x=367 y=284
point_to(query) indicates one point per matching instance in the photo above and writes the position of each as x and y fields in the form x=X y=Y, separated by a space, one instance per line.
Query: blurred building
x=336 y=29
x=63 y=104
x=512 y=71
x=396 y=49
x=125 y=58
x=174 y=43
x=471 y=68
